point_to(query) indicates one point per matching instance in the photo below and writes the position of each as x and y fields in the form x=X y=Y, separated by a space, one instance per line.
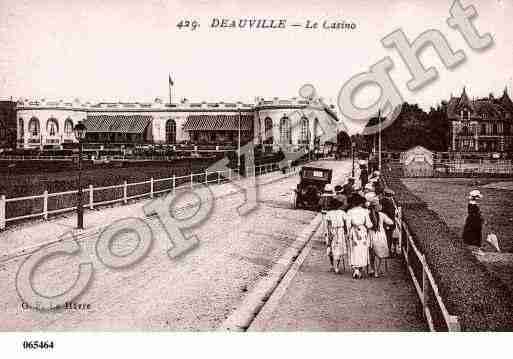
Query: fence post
x=206 y=177
x=425 y=284
x=400 y=227
x=125 y=187
x=91 y=198
x=229 y=174
x=407 y=258
x=151 y=187
x=174 y=184
x=2 y=212
x=218 y=177
x=192 y=180
x=45 y=205
x=453 y=324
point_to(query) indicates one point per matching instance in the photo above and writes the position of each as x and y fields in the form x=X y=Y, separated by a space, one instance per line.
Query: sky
x=113 y=50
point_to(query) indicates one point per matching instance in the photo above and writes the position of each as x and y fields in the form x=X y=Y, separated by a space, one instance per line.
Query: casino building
x=272 y=123
x=481 y=125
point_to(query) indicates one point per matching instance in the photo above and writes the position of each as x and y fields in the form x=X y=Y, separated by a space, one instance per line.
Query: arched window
x=171 y=131
x=34 y=128
x=21 y=127
x=483 y=129
x=268 y=136
x=494 y=129
x=305 y=130
x=68 y=127
x=52 y=128
x=285 y=137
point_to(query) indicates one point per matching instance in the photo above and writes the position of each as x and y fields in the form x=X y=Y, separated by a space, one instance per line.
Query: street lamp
x=80 y=132
x=353 y=145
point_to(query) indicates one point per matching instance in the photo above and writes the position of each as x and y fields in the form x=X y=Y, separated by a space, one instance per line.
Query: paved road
x=195 y=292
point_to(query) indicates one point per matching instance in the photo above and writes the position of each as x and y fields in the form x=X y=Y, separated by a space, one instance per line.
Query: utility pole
x=238 y=146
x=379 y=140
x=353 y=145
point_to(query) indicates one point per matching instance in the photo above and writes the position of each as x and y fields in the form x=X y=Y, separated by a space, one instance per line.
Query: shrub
x=479 y=299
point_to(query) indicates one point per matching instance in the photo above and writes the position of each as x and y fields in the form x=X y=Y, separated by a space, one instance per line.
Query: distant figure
x=348 y=189
x=389 y=208
x=376 y=179
x=472 y=231
x=341 y=197
x=364 y=175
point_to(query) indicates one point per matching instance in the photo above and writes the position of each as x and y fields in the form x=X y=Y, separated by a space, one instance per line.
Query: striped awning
x=117 y=123
x=218 y=123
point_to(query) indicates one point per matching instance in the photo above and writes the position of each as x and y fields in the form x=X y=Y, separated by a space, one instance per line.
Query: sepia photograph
x=332 y=167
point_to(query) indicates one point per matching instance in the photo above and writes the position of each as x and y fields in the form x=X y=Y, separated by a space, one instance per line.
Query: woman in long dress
x=377 y=235
x=472 y=231
x=359 y=224
x=337 y=237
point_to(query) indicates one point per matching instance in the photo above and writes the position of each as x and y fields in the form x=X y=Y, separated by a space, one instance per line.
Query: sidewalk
x=312 y=298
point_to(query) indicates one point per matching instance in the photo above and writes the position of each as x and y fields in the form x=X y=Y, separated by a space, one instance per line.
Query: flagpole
x=170 y=83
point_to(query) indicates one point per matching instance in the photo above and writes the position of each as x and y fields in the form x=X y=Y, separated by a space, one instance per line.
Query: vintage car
x=311 y=187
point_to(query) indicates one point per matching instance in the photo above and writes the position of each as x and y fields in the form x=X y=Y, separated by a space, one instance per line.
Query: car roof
x=316 y=168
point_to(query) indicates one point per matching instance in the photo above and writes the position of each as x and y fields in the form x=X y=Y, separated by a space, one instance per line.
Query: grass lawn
x=449 y=196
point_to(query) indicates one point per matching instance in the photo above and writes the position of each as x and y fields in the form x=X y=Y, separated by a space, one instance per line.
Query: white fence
x=503 y=167
x=425 y=285
x=148 y=190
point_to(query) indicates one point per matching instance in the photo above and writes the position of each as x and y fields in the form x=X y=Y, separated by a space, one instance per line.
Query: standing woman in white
x=359 y=223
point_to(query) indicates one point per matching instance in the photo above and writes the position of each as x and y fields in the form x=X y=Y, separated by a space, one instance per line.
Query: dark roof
x=117 y=123
x=218 y=123
x=494 y=108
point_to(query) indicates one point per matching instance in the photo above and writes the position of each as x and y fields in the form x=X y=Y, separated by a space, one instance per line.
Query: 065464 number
x=38 y=344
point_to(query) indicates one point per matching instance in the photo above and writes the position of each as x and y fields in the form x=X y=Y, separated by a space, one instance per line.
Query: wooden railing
x=142 y=189
x=425 y=284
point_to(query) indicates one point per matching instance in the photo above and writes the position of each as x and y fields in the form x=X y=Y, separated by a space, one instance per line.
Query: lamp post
x=353 y=145
x=379 y=140
x=80 y=131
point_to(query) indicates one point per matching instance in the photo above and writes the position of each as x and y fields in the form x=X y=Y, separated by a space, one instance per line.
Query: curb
x=242 y=317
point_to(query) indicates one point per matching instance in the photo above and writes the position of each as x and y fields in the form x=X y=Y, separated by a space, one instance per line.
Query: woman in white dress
x=359 y=223
x=377 y=234
x=337 y=237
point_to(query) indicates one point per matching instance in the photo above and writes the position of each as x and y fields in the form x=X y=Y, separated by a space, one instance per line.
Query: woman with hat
x=472 y=231
x=359 y=223
x=336 y=244
x=378 y=239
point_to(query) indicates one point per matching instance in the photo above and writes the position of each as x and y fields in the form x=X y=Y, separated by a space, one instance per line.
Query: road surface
x=194 y=292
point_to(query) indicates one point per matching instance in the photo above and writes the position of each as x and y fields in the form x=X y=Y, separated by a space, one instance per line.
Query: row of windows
x=52 y=127
x=487 y=129
x=286 y=130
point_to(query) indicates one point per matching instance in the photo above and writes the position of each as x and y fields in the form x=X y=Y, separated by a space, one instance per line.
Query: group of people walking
x=360 y=224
